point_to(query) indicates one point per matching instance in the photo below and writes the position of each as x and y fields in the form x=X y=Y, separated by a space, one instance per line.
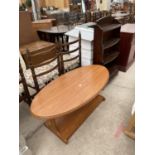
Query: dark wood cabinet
x=127 y=47
x=106 y=43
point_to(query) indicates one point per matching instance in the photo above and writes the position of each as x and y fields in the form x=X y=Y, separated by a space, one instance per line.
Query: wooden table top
x=37 y=45
x=69 y=92
x=61 y=29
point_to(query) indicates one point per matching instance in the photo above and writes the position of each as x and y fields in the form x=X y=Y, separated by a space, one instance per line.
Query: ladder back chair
x=44 y=66
x=70 y=59
x=24 y=94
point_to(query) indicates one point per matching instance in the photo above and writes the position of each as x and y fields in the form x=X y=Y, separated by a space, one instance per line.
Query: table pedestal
x=65 y=126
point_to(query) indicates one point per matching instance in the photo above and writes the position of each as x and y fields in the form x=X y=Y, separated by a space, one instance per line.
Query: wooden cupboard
x=106 y=43
x=127 y=47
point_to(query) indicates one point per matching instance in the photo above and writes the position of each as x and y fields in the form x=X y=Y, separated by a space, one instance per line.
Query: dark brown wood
x=106 y=43
x=62 y=53
x=25 y=95
x=40 y=58
x=127 y=47
x=54 y=34
x=65 y=126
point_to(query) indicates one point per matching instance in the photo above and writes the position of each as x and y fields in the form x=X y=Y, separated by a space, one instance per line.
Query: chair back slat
x=43 y=62
x=70 y=43
x=25 y=95
x=71 y=53
x=72 y=58
x=47 y=71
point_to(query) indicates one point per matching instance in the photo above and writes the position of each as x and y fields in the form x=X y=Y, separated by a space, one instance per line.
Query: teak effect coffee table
x=67 y=101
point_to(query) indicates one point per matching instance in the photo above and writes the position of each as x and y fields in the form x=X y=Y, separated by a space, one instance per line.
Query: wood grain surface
x=69 y=92
x=37 y=45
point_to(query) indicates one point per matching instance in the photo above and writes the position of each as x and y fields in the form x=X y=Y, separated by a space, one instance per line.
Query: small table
x=67 y=101
x=53 y=34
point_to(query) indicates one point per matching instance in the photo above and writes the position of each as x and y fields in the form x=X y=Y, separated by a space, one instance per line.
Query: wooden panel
x=26 y=32
x=70 y=92
x=43 y=24
x=65 y=126
x=37 y=45
x=127 y=46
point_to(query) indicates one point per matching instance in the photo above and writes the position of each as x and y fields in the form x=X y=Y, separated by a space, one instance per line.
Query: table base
x=65 y=126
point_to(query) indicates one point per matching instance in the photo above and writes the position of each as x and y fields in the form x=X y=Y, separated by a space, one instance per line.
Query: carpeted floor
x=101 y=134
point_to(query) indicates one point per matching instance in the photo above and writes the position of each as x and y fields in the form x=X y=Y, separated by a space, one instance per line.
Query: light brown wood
x=43 y=24
x=37 y=45
x=64 y=127
x=70 y=92
x=130 y=130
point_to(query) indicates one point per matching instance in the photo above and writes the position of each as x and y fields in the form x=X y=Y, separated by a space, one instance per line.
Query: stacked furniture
x=87 y=37
x=106 y=43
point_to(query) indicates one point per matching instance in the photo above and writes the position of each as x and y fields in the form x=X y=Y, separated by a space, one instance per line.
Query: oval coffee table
x=67 y=101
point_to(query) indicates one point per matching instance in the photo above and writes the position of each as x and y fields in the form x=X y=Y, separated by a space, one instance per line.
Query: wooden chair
x=130 y=130
x=96 y=15
x=44 y=66
x=88 y=17
x=70 y=59
x=81 y=18
x=24 y=94
x=73 y=18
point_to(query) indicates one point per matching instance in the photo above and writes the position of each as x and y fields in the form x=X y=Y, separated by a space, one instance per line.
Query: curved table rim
x=77 y=107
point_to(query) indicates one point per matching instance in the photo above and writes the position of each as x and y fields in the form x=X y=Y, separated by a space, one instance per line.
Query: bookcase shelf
x=110 y=57
x=106 y=43
x=108 y=27
x=111 y=42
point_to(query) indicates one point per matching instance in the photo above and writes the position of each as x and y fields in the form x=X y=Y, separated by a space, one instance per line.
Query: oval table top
x=69 y=92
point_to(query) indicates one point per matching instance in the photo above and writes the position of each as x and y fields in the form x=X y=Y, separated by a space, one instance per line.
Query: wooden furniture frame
x=130 y=130
x=106 y=43
x=64 y=127
x=127 y=47
x=70 y=103
x=66 y=46
x=39 y=58
x=25 y=94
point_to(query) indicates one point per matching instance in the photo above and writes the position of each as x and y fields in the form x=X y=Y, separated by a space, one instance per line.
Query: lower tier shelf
x=113 y=69
x=109 y=57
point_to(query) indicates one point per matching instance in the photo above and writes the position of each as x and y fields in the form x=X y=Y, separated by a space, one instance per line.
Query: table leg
x=66 y=125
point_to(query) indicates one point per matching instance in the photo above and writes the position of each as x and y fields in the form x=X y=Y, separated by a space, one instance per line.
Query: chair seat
x=42 y=80
x=70 y=64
